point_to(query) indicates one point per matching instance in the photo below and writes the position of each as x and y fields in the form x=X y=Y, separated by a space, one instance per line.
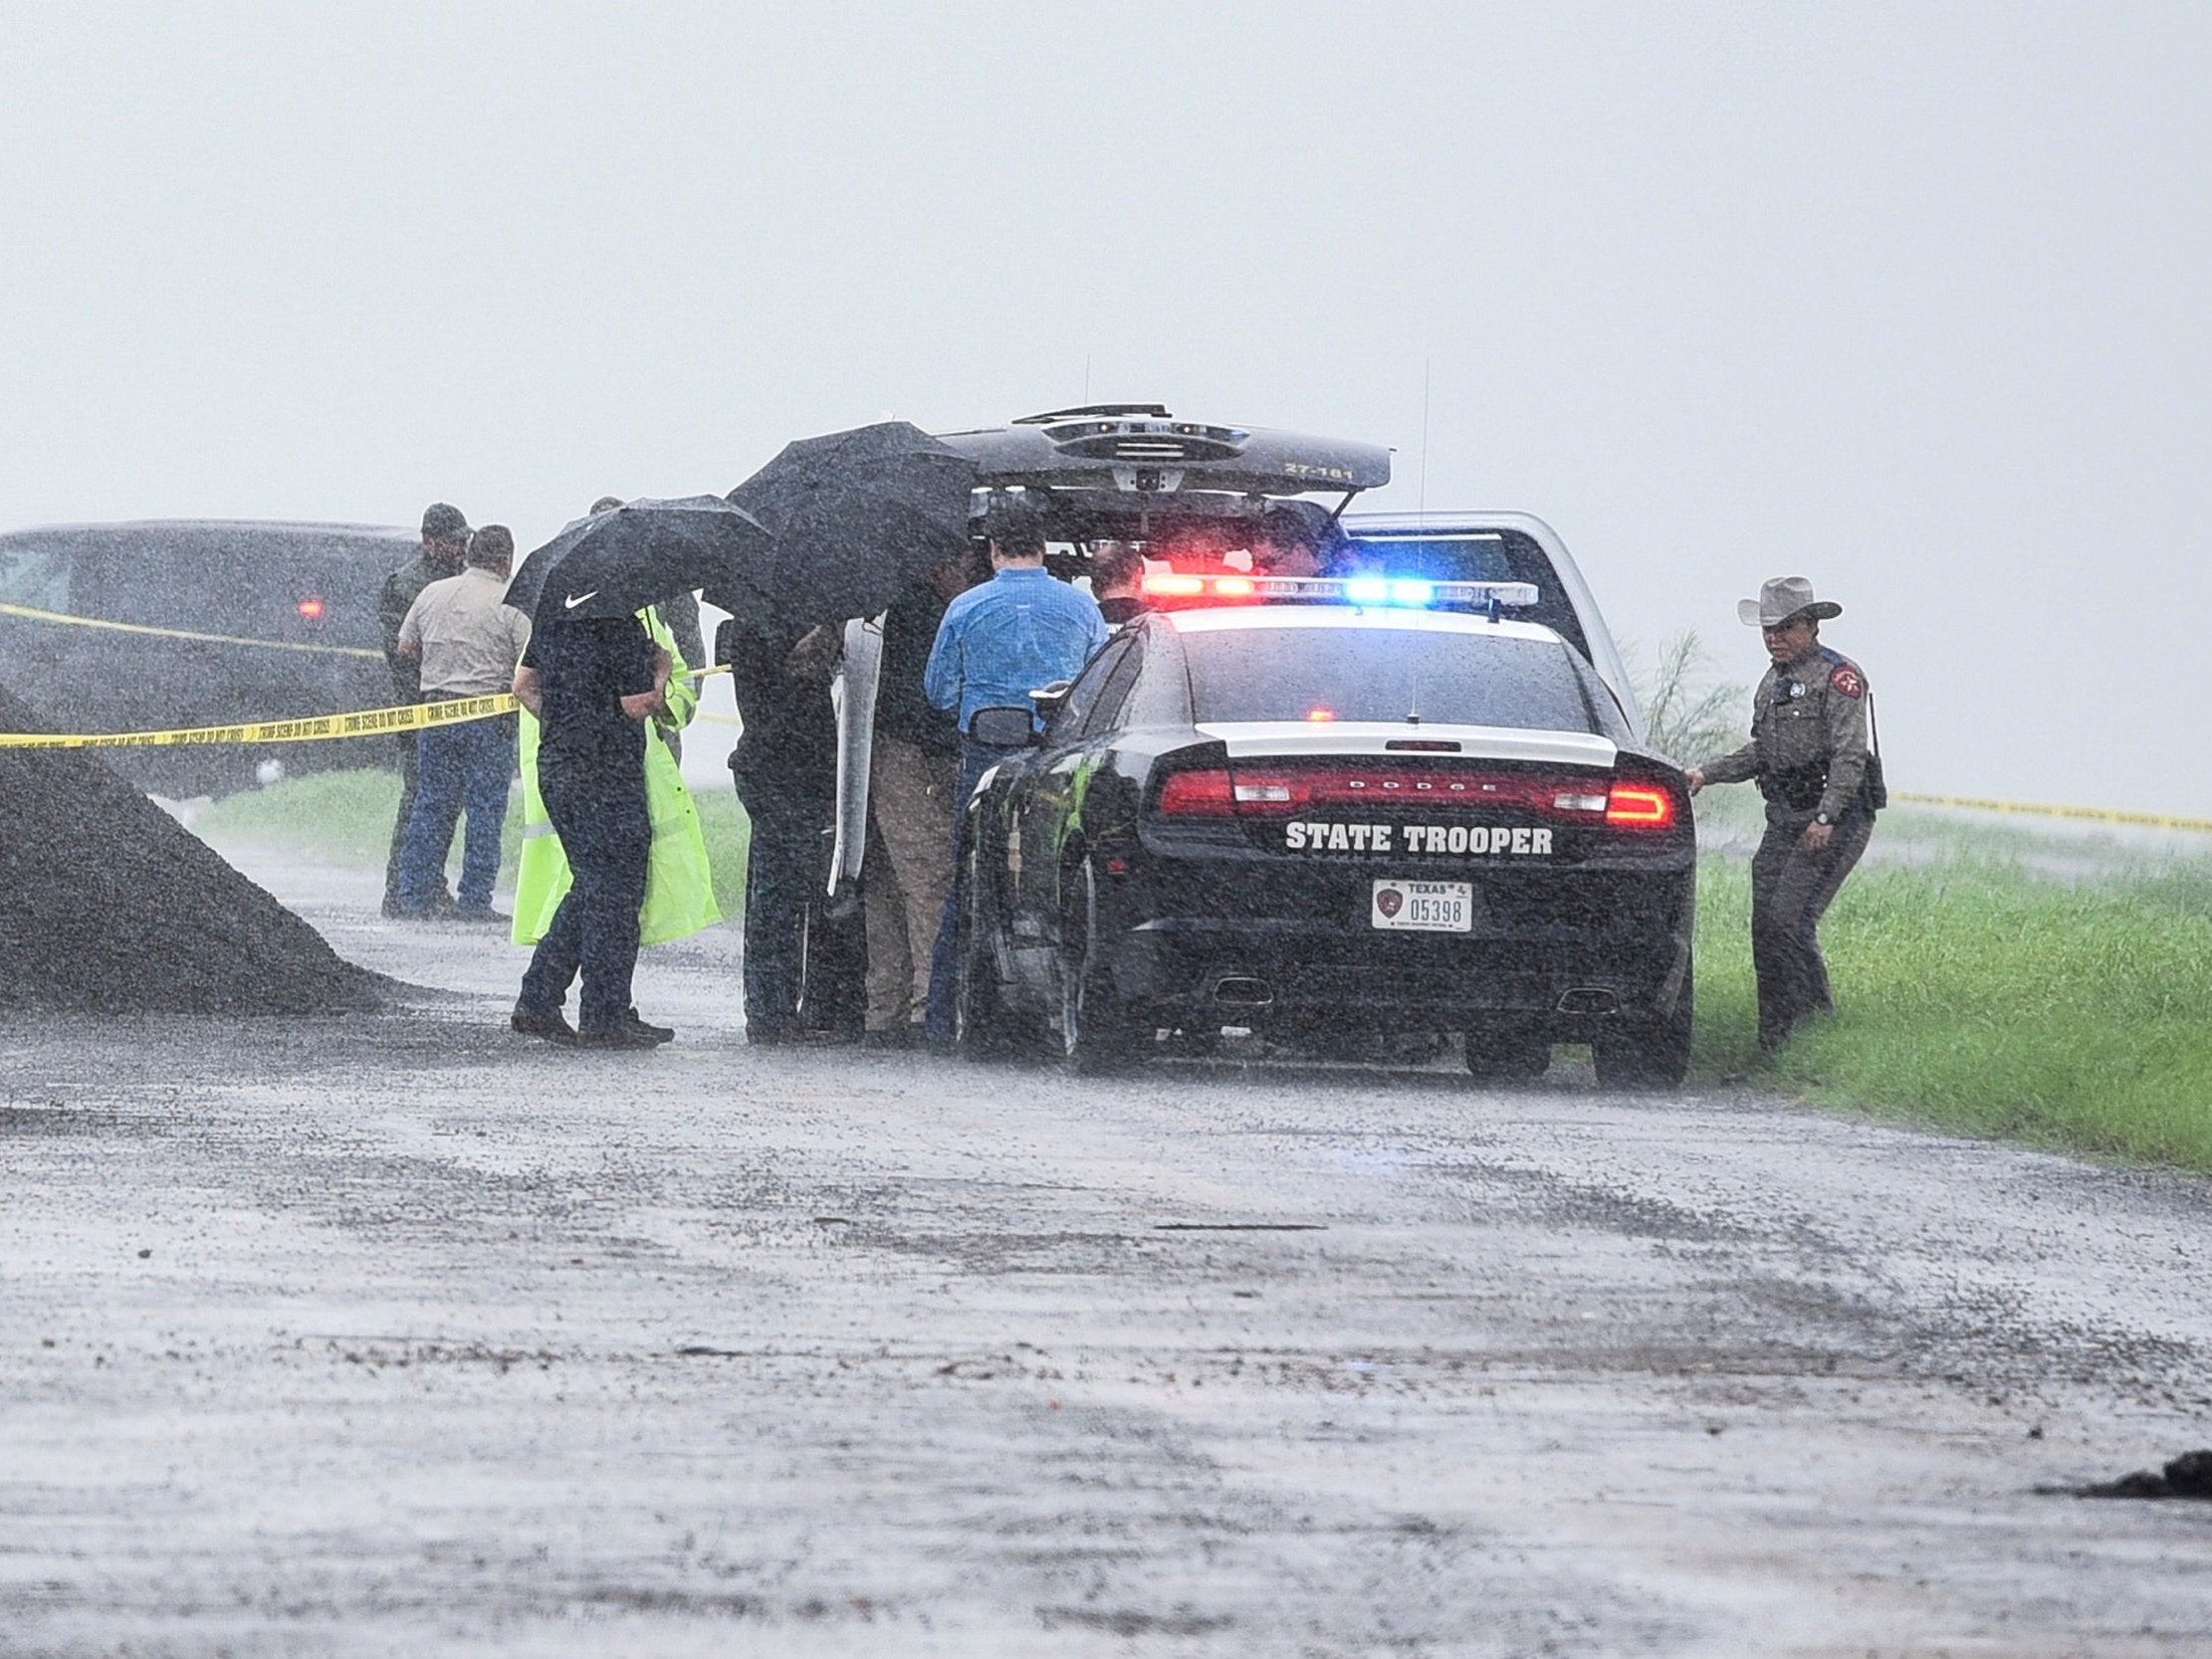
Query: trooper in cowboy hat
x=1786 y=599
x=1811 y=757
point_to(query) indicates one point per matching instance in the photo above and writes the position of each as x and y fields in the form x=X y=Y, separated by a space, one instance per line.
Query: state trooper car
x=1371 y=803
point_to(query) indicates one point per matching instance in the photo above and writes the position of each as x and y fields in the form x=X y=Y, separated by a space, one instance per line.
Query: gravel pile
x=109 y=904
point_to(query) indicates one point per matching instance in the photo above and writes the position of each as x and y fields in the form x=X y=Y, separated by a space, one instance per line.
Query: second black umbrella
x=857 y=517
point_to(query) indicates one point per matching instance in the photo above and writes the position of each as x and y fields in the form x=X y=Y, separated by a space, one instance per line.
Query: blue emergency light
x=1406 y=592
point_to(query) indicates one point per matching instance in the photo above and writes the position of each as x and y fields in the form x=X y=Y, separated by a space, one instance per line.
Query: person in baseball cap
x=445 y=524
x=1812 y=758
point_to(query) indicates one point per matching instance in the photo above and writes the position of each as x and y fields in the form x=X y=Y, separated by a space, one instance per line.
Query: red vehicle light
x=311 y=609
x=1644 y=806
x=1283 y=788
x=1199 y=794
x=1175 y=586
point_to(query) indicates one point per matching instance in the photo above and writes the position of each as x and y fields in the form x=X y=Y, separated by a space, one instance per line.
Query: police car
x=1371 y=804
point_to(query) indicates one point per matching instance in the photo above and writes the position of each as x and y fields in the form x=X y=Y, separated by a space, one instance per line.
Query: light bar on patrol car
x=1407 y=592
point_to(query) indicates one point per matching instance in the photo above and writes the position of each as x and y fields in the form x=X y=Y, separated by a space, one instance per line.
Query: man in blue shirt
x=1018 y=632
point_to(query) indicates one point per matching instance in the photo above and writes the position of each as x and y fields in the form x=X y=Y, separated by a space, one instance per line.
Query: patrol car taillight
x=1197 y=795
x=1286 y=790
x=1639 y=806
x=311 y=609
x=1281 y=788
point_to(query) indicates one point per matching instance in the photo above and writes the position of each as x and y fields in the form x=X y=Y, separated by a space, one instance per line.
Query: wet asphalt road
x=402 y=1335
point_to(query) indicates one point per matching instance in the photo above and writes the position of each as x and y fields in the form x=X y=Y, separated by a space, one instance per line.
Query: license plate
x=1422 y=907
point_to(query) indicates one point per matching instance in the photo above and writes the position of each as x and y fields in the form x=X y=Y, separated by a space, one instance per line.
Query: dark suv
x=277 y=585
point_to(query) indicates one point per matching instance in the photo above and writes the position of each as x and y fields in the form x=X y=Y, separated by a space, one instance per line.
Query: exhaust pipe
x=1590 y=999
x=1239 y=991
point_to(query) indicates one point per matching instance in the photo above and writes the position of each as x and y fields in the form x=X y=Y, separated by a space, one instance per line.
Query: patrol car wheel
x=1647 y=1054
x=985 y=1028
x=1097 y=1033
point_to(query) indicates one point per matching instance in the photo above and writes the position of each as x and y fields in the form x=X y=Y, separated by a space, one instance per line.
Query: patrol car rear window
x=1347 y=673
x=1485 y=557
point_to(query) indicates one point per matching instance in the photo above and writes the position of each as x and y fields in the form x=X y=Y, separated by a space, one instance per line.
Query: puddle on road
x=52 y=1119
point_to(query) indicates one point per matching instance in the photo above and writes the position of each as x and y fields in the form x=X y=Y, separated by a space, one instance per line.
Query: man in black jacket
x=592 y=686
x=786 y=771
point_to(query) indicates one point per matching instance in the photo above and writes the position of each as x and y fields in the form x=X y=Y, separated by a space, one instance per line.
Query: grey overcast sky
x=1910 y=299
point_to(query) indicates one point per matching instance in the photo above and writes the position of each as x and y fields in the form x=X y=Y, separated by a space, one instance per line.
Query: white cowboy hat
x=1785 y=599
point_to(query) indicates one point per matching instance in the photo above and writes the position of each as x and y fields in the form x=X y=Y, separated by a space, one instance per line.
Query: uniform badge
x=1848 y=680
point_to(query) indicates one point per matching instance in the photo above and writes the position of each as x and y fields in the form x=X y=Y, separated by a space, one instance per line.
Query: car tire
x=985 y=1028
x=1097 y=1033
x=1647 y=1054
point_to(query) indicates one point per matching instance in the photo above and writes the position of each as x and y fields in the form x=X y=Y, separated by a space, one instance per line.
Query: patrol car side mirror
x=1049 y=700
x=1003 y=727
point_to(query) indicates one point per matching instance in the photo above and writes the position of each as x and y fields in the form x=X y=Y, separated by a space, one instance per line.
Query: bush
x=1687 y=713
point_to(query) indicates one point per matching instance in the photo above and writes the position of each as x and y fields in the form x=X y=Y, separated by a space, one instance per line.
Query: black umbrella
x=857 y=517
x=631 y=556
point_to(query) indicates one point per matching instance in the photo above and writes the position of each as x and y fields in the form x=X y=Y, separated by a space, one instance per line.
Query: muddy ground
x=396 y=1335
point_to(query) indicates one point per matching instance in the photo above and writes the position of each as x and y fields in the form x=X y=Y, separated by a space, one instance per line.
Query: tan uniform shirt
x=469 y=636
x=1808 y=735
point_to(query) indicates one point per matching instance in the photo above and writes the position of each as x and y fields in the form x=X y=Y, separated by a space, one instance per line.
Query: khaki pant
x=910 y=800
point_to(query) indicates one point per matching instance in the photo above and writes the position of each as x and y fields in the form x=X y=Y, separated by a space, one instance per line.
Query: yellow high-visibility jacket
x=679 y=890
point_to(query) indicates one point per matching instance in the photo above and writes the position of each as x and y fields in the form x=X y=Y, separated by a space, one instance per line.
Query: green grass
x=344 y=816
x=347 y=817
x=1980 y=998
x=723 y=822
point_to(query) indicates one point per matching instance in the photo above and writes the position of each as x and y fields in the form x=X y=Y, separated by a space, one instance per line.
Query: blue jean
x=458 y=767
x=606 y=830
x=941 y=1024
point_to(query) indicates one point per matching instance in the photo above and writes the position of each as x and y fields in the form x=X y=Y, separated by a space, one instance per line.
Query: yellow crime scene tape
x=413 y=717
x=304 y=728
x=2087 y=814
x=360 y=722
x=28 y=614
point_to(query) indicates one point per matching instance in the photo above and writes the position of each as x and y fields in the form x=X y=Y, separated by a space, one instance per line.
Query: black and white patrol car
x=1366 y=805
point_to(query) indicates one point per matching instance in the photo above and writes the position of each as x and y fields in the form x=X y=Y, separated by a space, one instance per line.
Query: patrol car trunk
x=1426 y=795
x=1440 y=868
